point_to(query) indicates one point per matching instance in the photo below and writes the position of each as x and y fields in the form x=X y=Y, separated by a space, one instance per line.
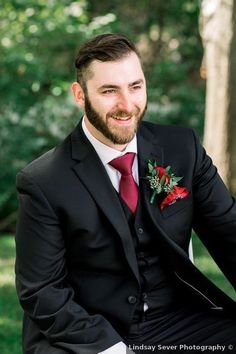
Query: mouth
x=121 y=119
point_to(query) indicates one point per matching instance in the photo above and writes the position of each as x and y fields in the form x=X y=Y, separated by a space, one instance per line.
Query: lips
x=121 y=118
x=122 y=121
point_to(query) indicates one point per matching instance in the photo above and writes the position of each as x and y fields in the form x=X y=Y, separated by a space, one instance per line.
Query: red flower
x=162 y=172
x=177 y=193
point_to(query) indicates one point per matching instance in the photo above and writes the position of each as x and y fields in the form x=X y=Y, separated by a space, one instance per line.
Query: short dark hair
x=104 y=47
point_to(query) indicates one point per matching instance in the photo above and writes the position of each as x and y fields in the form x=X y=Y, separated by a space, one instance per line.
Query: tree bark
x=218 y=30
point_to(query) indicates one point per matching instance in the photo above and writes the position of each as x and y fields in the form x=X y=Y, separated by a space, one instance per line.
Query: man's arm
x=215 y=213
x=44 y=293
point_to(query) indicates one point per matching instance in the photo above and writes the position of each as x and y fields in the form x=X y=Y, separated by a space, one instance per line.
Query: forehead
x=125 y=70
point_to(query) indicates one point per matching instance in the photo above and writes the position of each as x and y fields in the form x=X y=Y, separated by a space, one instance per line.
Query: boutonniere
x=163 y=180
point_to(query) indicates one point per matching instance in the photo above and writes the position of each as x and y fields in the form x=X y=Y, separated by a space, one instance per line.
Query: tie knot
x=124 y=163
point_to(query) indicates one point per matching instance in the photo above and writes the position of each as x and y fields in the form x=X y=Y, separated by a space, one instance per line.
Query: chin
x=122 y=139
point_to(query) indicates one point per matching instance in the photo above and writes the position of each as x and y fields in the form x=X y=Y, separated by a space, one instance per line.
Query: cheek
x=144 y=99
x=103 y=104
x=107 y=107
x=141 y=101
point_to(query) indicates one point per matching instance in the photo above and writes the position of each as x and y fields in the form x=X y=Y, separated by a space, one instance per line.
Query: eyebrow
x=108 y=86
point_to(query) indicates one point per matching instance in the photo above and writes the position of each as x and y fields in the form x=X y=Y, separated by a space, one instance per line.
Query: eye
x=108 y=91
x=136 y=87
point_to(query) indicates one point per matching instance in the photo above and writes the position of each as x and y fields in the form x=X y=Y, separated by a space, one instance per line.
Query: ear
x=78 y=93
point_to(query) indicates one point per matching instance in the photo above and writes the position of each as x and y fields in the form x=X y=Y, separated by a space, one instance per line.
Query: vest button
x=132 y=299
x=140 y=230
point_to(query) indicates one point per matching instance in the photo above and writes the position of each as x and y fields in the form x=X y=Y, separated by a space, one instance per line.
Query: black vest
x=157 y=285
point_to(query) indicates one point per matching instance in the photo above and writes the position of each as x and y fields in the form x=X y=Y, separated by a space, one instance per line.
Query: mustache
x=123 y=113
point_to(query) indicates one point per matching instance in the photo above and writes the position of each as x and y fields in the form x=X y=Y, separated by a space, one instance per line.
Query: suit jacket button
x=132 y=299
x=140 y=230
x=144 y=296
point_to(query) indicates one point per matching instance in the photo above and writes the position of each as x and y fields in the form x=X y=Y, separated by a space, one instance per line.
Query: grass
x=11 y=313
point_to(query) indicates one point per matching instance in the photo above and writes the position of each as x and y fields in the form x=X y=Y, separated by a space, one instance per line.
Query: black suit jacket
x=76 y=266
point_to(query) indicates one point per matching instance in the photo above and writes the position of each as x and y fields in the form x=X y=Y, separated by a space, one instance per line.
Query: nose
x=125 y=102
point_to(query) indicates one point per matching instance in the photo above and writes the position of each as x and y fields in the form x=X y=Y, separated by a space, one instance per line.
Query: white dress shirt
x=106 y=154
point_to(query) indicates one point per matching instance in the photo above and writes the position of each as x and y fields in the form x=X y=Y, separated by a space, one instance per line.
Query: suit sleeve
x=215 y=213
x=41 y=279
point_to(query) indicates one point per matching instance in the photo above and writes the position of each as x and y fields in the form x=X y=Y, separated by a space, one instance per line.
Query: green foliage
x=38 y=42
x=38 y=45
x=11 y=313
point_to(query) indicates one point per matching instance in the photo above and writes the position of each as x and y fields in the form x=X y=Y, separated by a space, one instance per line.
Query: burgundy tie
x=128 y=188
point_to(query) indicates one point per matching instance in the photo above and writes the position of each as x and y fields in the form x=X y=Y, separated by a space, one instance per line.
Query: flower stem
x=153 y=197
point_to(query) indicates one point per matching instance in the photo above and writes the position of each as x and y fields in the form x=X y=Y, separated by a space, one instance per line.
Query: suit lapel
x=93 y=175
x=149 y=149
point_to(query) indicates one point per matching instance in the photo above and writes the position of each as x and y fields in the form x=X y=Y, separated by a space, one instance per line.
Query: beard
x=117 y=135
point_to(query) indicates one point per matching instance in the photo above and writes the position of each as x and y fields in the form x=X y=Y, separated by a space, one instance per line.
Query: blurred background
x=188 y=49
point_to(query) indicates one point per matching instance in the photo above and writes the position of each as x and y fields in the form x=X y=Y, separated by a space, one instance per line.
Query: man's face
x=115 y=99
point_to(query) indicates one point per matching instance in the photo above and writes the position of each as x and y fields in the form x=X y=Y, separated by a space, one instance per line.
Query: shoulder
x=165 y=134
x=49 y=164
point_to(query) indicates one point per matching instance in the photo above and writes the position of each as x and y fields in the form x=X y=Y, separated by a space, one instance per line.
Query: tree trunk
x=218 y=30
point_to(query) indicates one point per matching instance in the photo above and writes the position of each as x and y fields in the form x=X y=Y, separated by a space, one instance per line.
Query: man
x=104 y=226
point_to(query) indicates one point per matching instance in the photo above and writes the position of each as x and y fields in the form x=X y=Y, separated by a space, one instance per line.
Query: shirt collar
x=106 y=153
